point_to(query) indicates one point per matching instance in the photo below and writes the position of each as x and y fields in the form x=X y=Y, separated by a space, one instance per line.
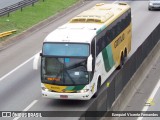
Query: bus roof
x=83 y=27
x=73 y=33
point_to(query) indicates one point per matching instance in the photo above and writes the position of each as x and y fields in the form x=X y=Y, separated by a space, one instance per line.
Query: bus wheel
x=98 y=88
x=121 y=62
x=125 y=53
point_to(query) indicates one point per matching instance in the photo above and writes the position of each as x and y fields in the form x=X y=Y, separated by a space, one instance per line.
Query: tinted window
x=112 y=31
x=65 y=49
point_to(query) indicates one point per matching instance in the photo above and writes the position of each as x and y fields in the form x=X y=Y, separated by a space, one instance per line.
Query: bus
x=79 y=56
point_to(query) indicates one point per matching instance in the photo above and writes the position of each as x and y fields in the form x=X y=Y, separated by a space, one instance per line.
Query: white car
x=154 y=4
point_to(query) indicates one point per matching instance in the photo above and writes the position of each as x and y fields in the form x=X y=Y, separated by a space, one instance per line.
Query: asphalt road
x=152 y=102
x=20 y=86
x=147 y=96
x=5 y=3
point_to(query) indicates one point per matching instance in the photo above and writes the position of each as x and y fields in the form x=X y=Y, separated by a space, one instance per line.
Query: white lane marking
x=145 y=108
x=6 y=75
x=27 y=108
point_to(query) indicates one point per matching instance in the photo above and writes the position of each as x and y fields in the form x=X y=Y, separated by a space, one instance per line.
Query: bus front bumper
x=69 y=96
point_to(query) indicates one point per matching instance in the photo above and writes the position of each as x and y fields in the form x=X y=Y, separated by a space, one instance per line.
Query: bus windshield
x=64 y=71
x=66 y=49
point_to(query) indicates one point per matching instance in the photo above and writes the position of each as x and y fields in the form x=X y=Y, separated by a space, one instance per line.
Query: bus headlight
x=45 y=89
x=151 y=4
x=83 y=91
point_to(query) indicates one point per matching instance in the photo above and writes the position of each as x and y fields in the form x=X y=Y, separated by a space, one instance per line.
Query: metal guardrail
x=4 y=34
x=14 y=7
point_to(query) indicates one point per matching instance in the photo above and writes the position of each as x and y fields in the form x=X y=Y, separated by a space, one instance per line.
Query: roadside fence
x=16 y=6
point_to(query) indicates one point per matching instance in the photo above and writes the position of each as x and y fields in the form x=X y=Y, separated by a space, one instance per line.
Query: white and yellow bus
x=79 y=56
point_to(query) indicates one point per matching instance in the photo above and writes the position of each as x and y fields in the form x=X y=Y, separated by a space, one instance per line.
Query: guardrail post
x=21 y=9
x=33 y=4
x=8 y=14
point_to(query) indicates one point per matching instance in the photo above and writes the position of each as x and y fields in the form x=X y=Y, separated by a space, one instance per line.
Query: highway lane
x=18 y=89
x=147 y=96
x=22 y=87
x=143 y=22
x=5 y=3
x=155 y=106
x=152 y=102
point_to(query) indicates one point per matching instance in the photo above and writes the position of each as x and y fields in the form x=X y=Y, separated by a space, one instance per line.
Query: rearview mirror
x=89 y=63
x=35 y=61
x=41 y=54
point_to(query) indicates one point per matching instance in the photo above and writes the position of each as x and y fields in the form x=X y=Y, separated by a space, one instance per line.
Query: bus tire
x=121 y=62
x=149 y=9
x=125 y=53
x=98 y=88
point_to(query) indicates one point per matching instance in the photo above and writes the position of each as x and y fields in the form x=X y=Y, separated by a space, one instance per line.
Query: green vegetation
x=32 y=15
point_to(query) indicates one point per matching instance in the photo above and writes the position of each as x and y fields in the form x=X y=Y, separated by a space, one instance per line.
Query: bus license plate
x=63 y=96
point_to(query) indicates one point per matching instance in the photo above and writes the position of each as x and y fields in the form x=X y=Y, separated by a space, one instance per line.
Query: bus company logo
x=63 y=90
x=55 y=88
x=6 y=114
x=119 y=40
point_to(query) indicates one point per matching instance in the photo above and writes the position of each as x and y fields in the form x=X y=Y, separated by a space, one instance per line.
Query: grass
x=32 y=15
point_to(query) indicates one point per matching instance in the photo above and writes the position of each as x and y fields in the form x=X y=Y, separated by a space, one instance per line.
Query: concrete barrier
x=124 y=81
x=132 y=86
